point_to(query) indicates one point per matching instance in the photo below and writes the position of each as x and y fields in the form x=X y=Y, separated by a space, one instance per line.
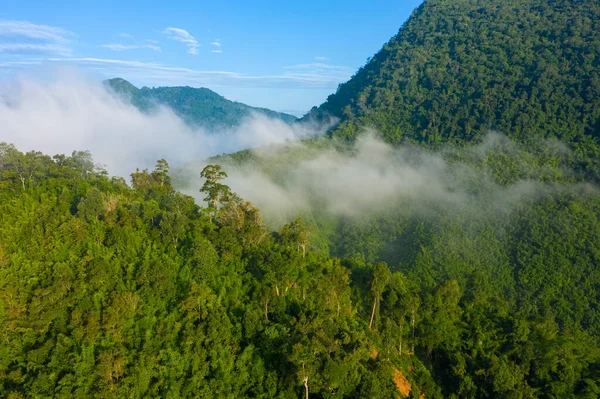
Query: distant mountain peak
x=121 y=85
x=197 y=106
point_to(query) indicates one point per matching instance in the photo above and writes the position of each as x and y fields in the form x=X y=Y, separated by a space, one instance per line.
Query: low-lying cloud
x=70 y=111
x=286 y=178
x=373 y=178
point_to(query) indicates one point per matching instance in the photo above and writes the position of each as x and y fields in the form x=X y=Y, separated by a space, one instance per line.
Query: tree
x=91 y=207
x=142 y=181
x=6 y=152
x=381 y=278
x=161 y=173
x=214 y=190
x=82 y=162
x=295 y=233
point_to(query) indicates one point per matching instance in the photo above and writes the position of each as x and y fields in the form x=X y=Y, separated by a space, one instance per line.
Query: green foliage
x=111 y=291
x=91 y=207
x=455 y=70
x=214 y=190
x=197 y=106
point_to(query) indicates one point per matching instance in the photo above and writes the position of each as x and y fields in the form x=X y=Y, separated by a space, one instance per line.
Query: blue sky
x=286 y=55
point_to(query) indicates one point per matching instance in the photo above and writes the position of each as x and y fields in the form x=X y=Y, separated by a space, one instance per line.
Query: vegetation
x=110 y=290
x=457 y=69
x=201 y=106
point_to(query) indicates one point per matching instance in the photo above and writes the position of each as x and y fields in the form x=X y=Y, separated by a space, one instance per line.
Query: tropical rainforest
x=196 y=106
x=480 y=281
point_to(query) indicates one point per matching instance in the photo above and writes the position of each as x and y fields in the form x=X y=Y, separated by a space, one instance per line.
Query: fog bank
x=69 y=111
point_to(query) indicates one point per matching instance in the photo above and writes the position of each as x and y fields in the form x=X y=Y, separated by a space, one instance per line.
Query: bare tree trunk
x=413 y=331
x=267 y=309
x=373 y=313
x=277 y=289
x=305 y=380
x=401 y=329
x=306 y=387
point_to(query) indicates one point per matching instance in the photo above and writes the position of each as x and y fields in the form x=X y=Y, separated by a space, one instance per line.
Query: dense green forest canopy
x=109 y=290
x=482 y=282
x=197 y=106
x=457 y=69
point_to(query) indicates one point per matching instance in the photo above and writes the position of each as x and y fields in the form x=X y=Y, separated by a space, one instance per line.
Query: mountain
x=457 y=69
x=463 y=264
x=197 y=106
x=509 y=255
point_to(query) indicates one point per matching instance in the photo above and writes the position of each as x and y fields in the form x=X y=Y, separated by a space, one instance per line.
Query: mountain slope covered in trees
x=112 y=291
x=197 y=106
x=482 y=282
x=458 y=69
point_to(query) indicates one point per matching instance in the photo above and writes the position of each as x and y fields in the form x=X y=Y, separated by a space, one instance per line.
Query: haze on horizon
x=69 y=112
x=262 y=54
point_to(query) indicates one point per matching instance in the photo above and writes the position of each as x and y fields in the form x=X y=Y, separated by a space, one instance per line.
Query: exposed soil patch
x=401 y=383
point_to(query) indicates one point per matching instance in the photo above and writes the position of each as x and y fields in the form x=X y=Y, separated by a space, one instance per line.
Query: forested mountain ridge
x=458 y=69
x=479 y=281
x=109 y=291
x=197 y=106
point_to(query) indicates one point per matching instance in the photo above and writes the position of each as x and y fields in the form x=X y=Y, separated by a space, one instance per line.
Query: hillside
x=197 y=106
x=505 y=221
x=427 y=259
x=458 y=69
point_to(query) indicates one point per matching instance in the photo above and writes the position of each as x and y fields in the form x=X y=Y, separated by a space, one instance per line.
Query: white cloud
x=217 y=45
x=33 y=31
x=321 y=58
x=374 y=178
x=27 y=37
x=70 y=113
x=317 y=65
x=159 y=74
x=123 y=47
x=183 y=36
x=318 y=70
x=33 y=48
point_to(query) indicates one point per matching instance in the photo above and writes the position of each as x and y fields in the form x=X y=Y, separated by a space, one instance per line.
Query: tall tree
x=214 y=190
x=381 y=278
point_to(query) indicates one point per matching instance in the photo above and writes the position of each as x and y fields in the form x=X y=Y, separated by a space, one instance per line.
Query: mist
x=372 y=178
x=69 y=111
